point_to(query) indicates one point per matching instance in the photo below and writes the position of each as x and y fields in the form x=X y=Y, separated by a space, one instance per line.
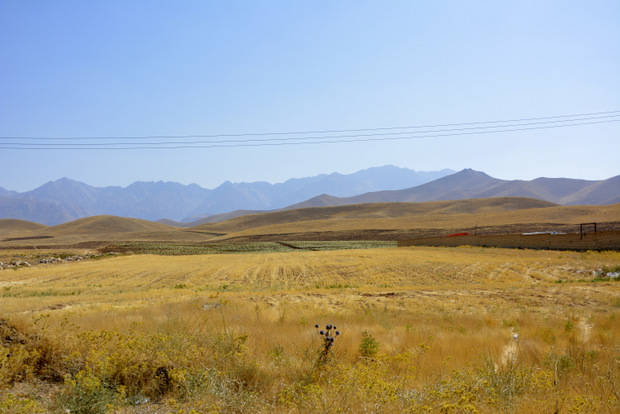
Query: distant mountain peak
x=469 y=184
x=471 y=171
x=64 y=181
x=65 y=199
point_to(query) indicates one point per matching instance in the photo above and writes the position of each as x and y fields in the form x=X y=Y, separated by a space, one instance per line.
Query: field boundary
x=600 y=240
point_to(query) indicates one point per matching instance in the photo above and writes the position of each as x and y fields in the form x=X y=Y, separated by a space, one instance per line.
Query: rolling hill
x=454 y=202
x=391 y=221
x=10 y=227
x=373 y=221
x=91 y=233
x=372 y=211
x=97 y=225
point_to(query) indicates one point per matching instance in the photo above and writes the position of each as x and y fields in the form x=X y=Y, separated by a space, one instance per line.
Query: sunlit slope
x=14 y=227
x=102 y=229
x=377 y=221
x=374 y=211
x=501 y=214
x=105 y=224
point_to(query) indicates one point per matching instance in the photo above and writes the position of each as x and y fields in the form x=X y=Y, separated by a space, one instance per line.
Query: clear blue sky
x=145 y=68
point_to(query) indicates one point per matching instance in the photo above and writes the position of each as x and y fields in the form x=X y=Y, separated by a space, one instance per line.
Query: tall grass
x=432 y=330
x=242 y=358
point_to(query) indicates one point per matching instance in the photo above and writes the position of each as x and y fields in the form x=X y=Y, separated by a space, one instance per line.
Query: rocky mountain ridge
x=64 y=200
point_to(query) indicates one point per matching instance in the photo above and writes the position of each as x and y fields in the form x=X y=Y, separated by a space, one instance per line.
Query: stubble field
x=421 y=329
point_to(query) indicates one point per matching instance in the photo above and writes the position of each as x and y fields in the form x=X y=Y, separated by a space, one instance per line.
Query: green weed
x=369 y=346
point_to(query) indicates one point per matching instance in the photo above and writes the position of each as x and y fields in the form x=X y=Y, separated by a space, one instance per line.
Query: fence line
x=600 y=240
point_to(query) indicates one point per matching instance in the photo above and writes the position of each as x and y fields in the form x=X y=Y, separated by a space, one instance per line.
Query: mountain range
x=468 y=184
x=66 y=200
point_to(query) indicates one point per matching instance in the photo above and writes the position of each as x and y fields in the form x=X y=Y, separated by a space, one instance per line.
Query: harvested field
x=221 y=317
x=422 y=329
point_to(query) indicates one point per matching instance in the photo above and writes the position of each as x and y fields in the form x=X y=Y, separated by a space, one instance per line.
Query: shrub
x=10 y=404
x=369 y=347
x=84 y=393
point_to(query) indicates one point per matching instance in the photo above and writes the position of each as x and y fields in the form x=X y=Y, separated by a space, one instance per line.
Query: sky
x=87 y=88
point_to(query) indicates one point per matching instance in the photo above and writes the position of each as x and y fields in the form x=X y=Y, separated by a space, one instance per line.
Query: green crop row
x=175 y=249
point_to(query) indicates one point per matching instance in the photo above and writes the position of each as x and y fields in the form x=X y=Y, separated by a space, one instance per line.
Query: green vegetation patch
x=177 y=249
x=342 y=245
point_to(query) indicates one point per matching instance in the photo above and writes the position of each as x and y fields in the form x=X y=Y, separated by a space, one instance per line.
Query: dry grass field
x=419 y=329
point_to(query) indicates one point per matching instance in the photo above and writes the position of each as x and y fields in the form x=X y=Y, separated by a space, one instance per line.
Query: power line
x=502 y=127
x=333 y=136
x=315 y=131
x=330 y=137
x=259 y=144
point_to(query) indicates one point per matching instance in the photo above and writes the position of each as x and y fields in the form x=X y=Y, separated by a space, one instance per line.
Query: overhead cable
x=307 y=137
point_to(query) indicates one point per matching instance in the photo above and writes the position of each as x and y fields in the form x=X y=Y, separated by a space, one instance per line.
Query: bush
x=10 y=404
x=85 y=393
x=369 y=347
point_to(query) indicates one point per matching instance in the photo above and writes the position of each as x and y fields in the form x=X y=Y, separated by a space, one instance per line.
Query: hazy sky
x=139 y=69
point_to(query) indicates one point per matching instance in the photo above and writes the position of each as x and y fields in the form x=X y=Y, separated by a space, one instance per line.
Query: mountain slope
x=64 y=200
x=30 y=209
x=264 y=196
x=7 y=193
x=472 y=184
x=461 y=185
x=378 y=221
x=386 y=210
x=392 y=221
x=74 y=198
x=601 y=192
x=151 y=200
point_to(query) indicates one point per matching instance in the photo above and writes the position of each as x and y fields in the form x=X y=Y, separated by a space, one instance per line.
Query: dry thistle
x=328 y=336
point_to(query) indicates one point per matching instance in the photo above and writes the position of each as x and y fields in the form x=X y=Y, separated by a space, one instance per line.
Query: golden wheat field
x=437 y=330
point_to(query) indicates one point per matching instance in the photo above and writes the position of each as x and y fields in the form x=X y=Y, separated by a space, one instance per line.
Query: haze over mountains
x=469 y=184
x=65 y=200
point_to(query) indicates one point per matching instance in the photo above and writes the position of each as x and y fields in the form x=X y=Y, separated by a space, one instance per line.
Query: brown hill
x=373 y=215
x=105 y=224
x=390 y=221
x=373 y=221
x=98 y=231
x=11 y=227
